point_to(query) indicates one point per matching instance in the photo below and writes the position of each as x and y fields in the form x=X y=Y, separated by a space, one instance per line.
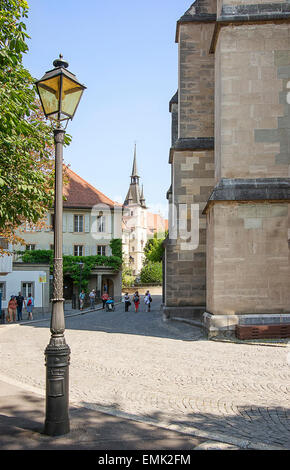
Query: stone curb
x=282 y=344
x=218 y=437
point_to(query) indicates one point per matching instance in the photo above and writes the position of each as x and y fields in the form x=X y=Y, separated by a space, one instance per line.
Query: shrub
x=151 y=273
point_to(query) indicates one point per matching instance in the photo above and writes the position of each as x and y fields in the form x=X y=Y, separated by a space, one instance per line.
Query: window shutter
x=94 y=250
x=70 y=222
x=87 y=223
x=87 y=250
x=94 y=224
x=71 y=250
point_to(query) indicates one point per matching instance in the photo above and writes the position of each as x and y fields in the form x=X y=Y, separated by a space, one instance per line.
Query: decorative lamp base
x=57 y=356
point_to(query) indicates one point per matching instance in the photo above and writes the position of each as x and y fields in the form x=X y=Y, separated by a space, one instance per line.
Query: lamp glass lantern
x=60 y=92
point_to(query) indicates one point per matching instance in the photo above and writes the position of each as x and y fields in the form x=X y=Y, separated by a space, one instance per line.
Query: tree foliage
x=80 y=273
x=153 y=250
x=151 y=273
x=116 y=247
x=128 y=279
x=26 y=141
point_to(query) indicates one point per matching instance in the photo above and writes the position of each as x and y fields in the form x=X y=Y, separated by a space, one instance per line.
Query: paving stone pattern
x=163 y=372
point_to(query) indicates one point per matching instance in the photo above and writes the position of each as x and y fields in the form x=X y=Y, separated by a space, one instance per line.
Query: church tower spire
x=135 y=177
x=133 y=195
x=142 y=198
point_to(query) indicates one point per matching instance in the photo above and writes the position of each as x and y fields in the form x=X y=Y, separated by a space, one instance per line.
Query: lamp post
x=60 y=93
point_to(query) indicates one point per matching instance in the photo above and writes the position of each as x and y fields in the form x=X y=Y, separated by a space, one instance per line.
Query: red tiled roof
x=80 y=194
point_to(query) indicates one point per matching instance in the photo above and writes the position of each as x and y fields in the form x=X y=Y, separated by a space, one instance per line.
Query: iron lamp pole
x=60 y=93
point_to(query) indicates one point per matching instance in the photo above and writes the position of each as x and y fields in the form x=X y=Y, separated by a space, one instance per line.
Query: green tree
x=153 y=250
x=26 y=141
x=127 y=276
x=151 y=273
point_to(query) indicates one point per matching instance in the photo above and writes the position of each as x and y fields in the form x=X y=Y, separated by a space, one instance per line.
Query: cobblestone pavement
x=168 y=373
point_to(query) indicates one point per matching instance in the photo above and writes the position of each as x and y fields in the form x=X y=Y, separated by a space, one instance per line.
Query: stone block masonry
x=248 y=262
x=252 y=112
x=248 y=258
x=186 y=262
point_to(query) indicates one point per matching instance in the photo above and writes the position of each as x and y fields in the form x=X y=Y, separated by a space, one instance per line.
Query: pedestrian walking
x=148 y=300
x=12 y=305
x=127 y=302
x=136 y=300
x=105 y=297
x=20 y=303
x=29 y=307
x=82 y=299
x=92 y=296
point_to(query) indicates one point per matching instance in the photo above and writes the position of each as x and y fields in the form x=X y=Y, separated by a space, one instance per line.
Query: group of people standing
x=136 y=301
x=16 y=304
x=93 y=297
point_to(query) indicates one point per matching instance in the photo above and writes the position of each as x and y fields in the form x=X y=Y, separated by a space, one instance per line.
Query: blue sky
x=126 y=55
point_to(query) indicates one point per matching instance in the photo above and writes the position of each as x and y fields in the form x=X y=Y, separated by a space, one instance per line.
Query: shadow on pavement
x=21 y=428
x=22 y=418
x=141 y=323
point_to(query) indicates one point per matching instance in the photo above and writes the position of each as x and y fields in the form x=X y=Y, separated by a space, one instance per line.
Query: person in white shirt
x=92 y=297
x=147 y=301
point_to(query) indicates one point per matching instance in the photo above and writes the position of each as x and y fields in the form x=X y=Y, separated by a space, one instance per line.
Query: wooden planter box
x=263 y=331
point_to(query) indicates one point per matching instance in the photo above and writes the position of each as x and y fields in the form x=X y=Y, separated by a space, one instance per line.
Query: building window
x=51 y=247
x=78 y=223
x=27 y=288
x=101 y=250
x=78 y=250
x=52 y=222
x=101 y=223
x=30 y=247
x=132 y=213
x=3 y=290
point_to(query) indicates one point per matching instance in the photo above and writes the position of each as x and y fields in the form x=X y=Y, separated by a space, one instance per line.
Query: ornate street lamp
x=60 y=93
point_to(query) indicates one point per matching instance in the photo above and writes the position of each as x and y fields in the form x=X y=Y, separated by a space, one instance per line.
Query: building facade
x=234 y=56
x=28 y=279
x=90 y=221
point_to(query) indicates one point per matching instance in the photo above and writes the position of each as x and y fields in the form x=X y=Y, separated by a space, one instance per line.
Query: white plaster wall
x=13 y=285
